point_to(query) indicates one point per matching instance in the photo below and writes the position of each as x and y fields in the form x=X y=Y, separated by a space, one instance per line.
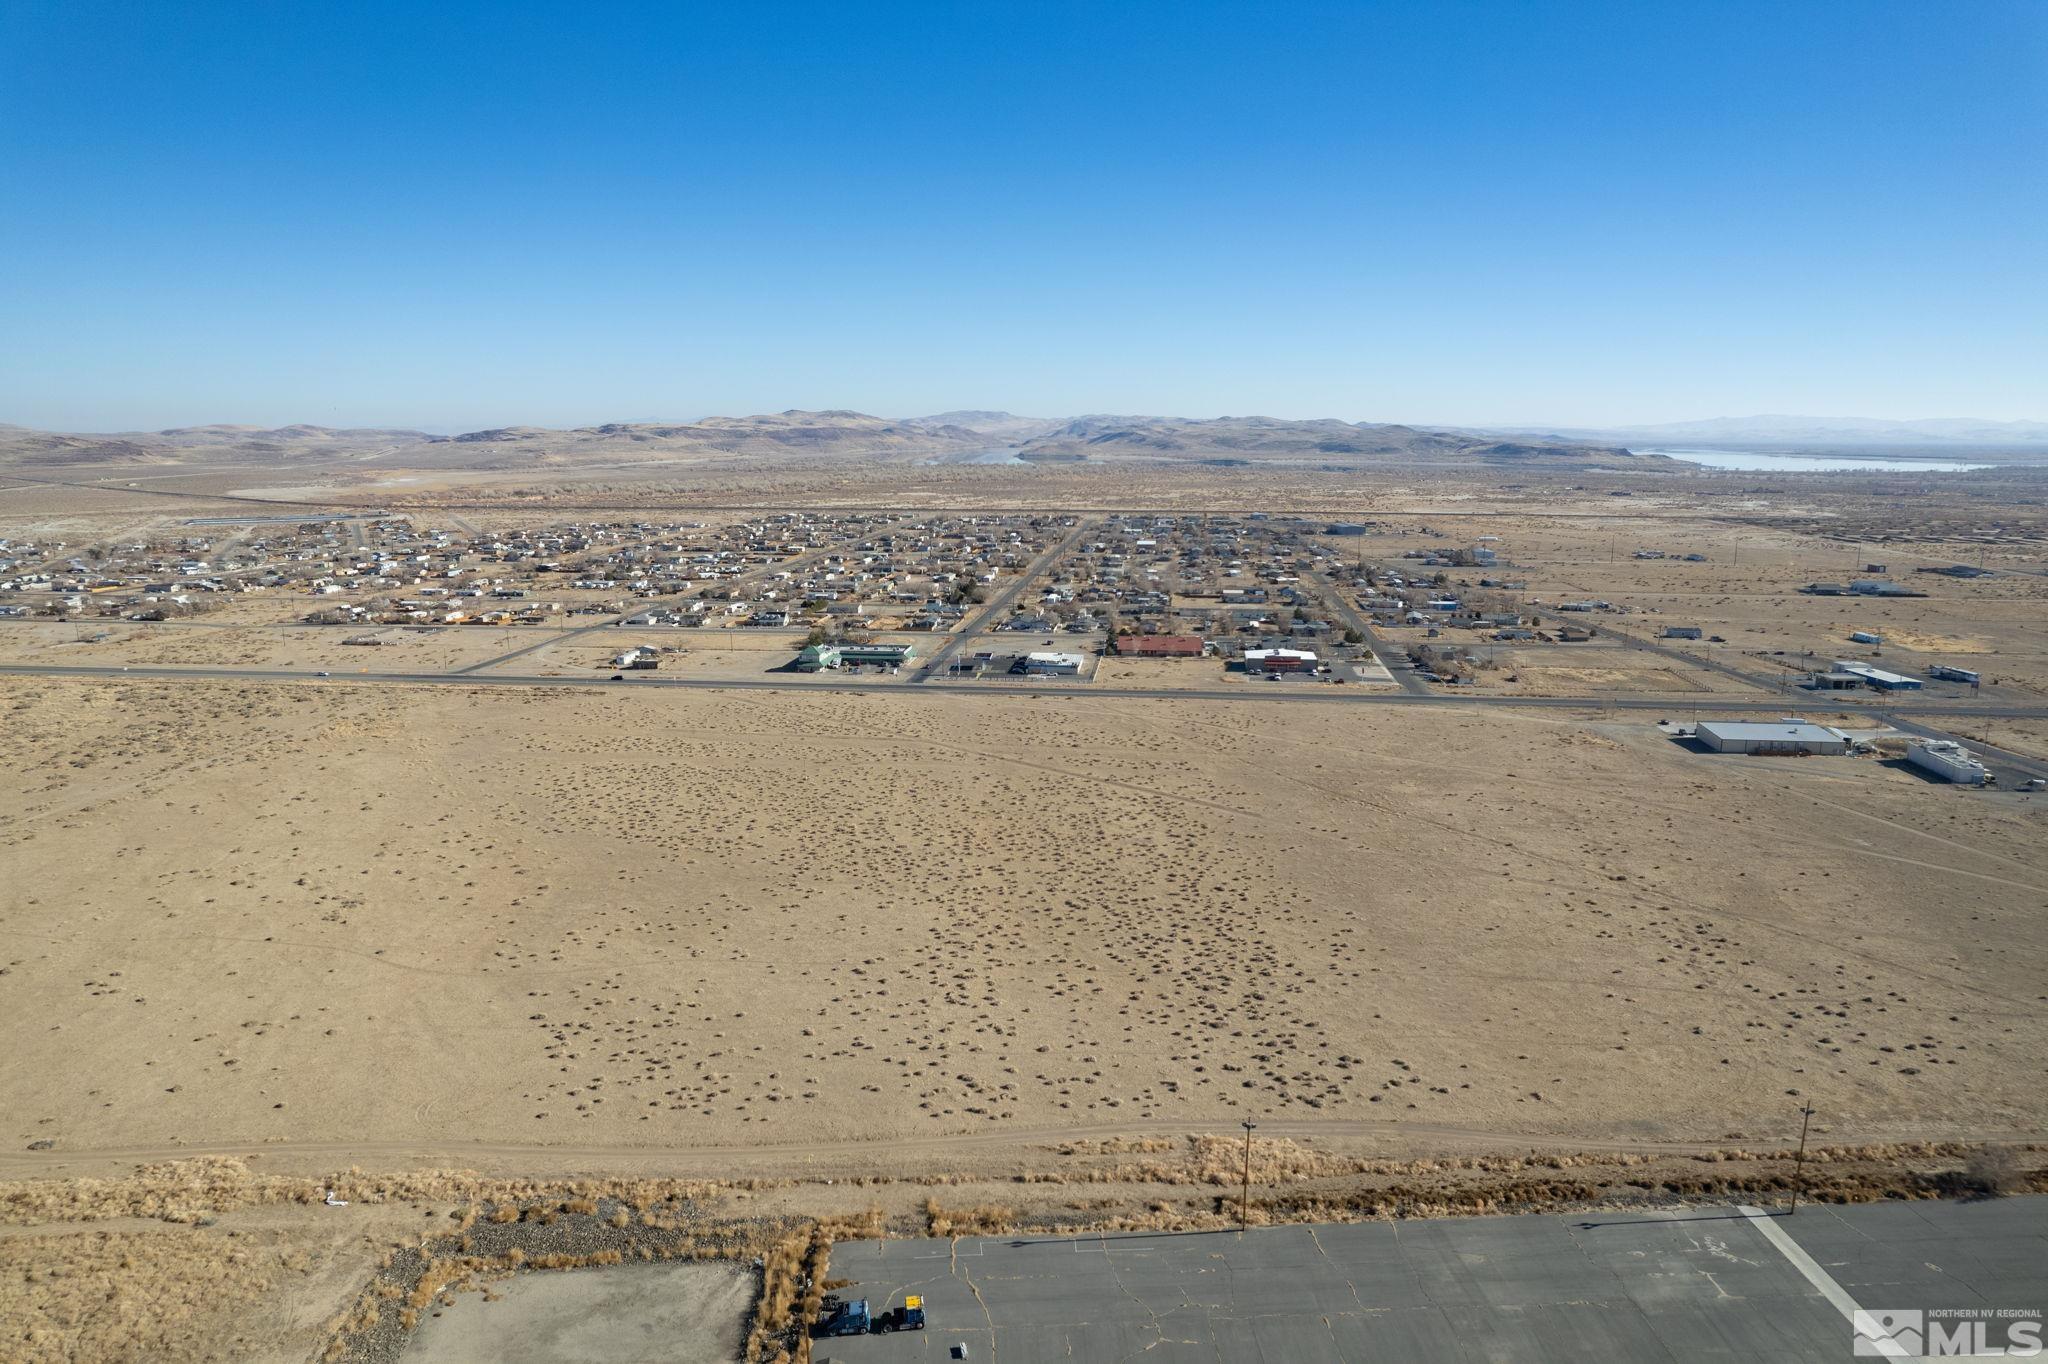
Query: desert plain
x=339 y=915
x=455 y=929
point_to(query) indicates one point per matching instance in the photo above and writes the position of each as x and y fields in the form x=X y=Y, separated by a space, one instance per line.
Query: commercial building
x=1948 y=760
x=1279 y=660
x=1041 y=663
x=1784 y=736
x=817 y=657
x=886 y=655
x=1835 y=680
x=1878 y=677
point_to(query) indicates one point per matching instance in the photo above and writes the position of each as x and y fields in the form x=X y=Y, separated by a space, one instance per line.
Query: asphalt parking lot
x=1706 y=1284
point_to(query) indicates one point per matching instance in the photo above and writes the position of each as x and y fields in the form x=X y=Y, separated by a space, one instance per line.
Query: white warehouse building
x=1948 y=760
x=1046 y=664
x=1784 y=736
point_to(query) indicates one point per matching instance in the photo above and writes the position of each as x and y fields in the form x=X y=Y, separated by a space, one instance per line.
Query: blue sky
x=457 y=215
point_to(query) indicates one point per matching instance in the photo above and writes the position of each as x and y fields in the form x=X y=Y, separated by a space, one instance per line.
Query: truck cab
x=908 y=1317
x=847 y=1319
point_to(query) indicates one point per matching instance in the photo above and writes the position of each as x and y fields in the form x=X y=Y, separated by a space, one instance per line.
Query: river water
x=1765 y=462
x=994 y=456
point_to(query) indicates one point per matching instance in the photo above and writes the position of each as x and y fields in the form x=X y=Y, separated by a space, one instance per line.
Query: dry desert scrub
x=985 y=1220
x=203 y=1186
x=777 y=1332
x=157 y=1295
x=1219 y=1161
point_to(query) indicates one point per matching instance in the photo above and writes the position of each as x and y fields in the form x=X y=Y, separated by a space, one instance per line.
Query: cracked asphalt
x=1700 y=1284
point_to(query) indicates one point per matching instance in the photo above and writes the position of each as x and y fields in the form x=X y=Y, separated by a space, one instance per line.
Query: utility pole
x=1244 y=1198
x=1799 y=1178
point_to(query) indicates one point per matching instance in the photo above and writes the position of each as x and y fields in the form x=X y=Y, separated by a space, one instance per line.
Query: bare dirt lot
x=209 y=645
x=325 y=913
x=1595 y=669
x=654 y=1314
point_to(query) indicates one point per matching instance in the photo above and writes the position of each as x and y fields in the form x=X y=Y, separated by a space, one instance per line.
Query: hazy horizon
x=447 y=429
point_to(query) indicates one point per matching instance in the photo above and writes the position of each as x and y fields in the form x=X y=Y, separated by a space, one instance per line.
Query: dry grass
x=91 y=1294
x=984 y=1220
x=154 y=1295
x=1220 y=1161
x=771 y=1337
x=204 y=1186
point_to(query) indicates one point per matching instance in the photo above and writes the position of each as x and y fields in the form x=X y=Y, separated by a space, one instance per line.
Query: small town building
x=884 y=655
x=1878 y=678
x=1730 y=736
x=1279 y=660
x=1948 y=760
x=1044 y=663
x=1834 y=680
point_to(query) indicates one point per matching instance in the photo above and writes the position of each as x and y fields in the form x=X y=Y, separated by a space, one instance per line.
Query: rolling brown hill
x=200 y=445
x=798 y=436
x=1265 y=439
x=779 y=435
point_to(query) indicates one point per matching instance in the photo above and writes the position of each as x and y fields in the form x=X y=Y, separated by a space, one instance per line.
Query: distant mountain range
x=199 y=445
x=1810 y=431
x=1268 y=439
x=798 y=435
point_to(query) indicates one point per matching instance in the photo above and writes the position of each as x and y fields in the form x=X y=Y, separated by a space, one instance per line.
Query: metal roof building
x=1729 y=736
x=1053 y=664
x=1878 y=677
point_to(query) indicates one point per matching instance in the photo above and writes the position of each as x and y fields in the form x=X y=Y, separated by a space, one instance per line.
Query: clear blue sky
x=457 y=215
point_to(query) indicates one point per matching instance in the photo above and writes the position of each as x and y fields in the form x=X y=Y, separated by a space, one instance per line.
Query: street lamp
x=1799 y=1164
x=1244 y=1199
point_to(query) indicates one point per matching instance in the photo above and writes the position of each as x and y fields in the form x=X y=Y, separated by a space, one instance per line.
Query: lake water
x=1761 y=461
x=1003 y=456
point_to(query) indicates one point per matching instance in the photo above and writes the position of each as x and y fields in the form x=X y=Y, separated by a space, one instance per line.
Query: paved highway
x=1286 y=690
